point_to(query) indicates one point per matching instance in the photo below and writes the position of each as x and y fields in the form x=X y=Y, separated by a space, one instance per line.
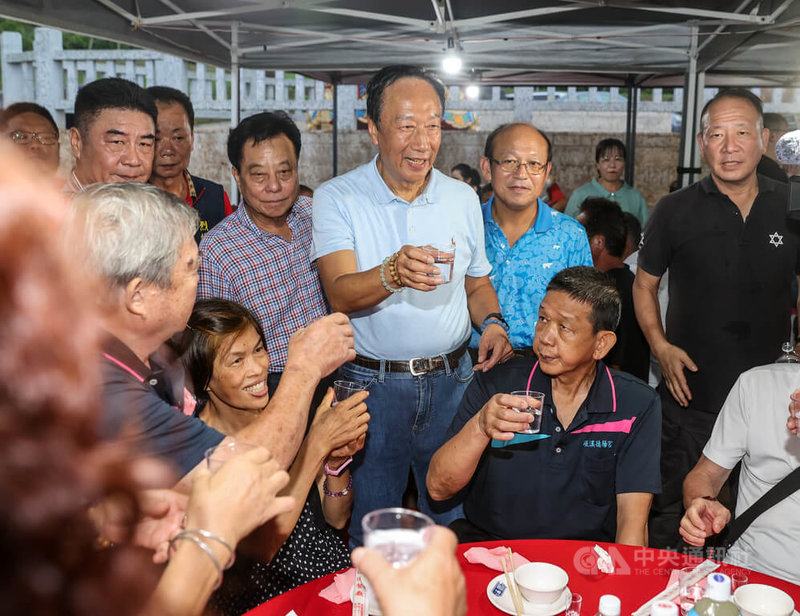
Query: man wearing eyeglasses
x=114 y=136
x=32 y=128
x=527 y=242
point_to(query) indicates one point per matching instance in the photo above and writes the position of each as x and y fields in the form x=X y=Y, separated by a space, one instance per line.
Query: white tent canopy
x=632 y=43
x=575 y=42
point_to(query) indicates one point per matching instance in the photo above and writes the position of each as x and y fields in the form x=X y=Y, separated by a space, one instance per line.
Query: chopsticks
x=511 y=582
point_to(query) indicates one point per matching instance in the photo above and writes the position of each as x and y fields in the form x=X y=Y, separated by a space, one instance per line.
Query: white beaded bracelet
x=385 y=284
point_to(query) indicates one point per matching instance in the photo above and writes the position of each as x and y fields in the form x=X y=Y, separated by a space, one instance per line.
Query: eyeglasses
x=24 y=137
x=510 y=166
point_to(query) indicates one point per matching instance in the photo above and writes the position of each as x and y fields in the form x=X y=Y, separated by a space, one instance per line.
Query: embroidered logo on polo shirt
x=599 y=444
x=775 y=239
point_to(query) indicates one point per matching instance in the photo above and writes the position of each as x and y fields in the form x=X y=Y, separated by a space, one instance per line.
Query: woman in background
x=609 y=157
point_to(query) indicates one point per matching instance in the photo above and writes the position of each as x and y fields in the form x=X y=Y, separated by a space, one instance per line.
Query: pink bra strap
x=123 y=366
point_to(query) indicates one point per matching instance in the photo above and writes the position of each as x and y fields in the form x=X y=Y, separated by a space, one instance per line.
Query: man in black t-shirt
x=605 y=226
x=731 y=255
x=592 y=469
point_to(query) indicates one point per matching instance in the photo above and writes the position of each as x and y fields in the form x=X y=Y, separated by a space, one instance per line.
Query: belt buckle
x=425 y=370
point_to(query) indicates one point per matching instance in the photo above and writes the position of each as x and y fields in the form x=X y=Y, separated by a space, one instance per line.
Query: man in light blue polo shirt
x=411 y=326
x=527 y=242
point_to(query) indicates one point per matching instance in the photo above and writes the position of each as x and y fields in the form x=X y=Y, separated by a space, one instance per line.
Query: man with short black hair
x=411 y=325
x=592 y=469
x=113 y=139
x=732 y=255
x=259 y=256
x=605 y=225
x=174 y=145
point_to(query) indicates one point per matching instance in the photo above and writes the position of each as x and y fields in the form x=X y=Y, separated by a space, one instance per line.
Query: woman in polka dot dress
x=226 y=358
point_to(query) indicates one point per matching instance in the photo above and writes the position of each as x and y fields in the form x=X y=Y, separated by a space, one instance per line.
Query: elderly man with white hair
x=140 y=241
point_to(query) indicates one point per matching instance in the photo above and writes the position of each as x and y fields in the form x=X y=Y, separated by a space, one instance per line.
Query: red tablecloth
x=640 y=574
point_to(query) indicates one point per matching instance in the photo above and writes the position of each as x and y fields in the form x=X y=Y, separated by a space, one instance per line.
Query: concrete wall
x=573 y=156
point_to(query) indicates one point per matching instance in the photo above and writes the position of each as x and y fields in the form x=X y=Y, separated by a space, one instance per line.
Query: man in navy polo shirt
x=591 y=471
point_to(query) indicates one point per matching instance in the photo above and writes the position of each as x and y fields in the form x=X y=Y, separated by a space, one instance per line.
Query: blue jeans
x=409 y=417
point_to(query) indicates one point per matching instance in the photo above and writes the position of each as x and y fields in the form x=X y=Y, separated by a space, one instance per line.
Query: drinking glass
x=444 y=257
x=344 y=389
x=574 y=608
x=398 y=534
x=217 y=456
x=737 y=580
x=535 y=401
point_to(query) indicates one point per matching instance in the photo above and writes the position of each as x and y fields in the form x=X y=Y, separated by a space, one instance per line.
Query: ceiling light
x=473 y=91
x=451 y=63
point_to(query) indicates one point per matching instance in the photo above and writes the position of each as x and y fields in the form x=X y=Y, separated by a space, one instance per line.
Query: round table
x=640 y=574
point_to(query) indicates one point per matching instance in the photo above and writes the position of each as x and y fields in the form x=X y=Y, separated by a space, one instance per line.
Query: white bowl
x=762 y=600
x=541 y=583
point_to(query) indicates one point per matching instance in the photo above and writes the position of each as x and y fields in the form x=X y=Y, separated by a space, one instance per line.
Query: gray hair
x=133 y=230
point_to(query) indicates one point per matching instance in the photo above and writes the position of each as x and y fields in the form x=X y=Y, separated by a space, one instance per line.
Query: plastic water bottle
x=788 y=356
x=717 y=601
x=609 y=605
x=664 y=608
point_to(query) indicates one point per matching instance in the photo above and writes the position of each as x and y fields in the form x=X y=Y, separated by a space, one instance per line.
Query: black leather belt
x=416 y=365
x=524 y=352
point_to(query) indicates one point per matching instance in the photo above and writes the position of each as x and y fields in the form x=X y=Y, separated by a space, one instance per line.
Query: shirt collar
x=383 y=195
x=708 y=185
x=600 y=399
x=607 y=193
x=244 y=217
x=544 y=215
x=191 y=192
x=765 y=184
x=73 y=185
x=118 y=353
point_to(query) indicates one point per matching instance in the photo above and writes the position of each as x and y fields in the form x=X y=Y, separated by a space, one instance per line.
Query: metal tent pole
x=335 y=80
x=688 y=119
x=235 y=110
x=630 y=130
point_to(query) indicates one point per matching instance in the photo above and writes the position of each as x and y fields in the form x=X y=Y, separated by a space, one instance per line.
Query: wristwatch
x=340 y=470
x=494 y=317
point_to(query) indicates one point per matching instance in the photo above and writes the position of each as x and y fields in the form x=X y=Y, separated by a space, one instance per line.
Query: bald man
x=527 y=242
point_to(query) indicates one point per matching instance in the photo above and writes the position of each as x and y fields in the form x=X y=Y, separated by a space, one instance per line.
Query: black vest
x=210 y=204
